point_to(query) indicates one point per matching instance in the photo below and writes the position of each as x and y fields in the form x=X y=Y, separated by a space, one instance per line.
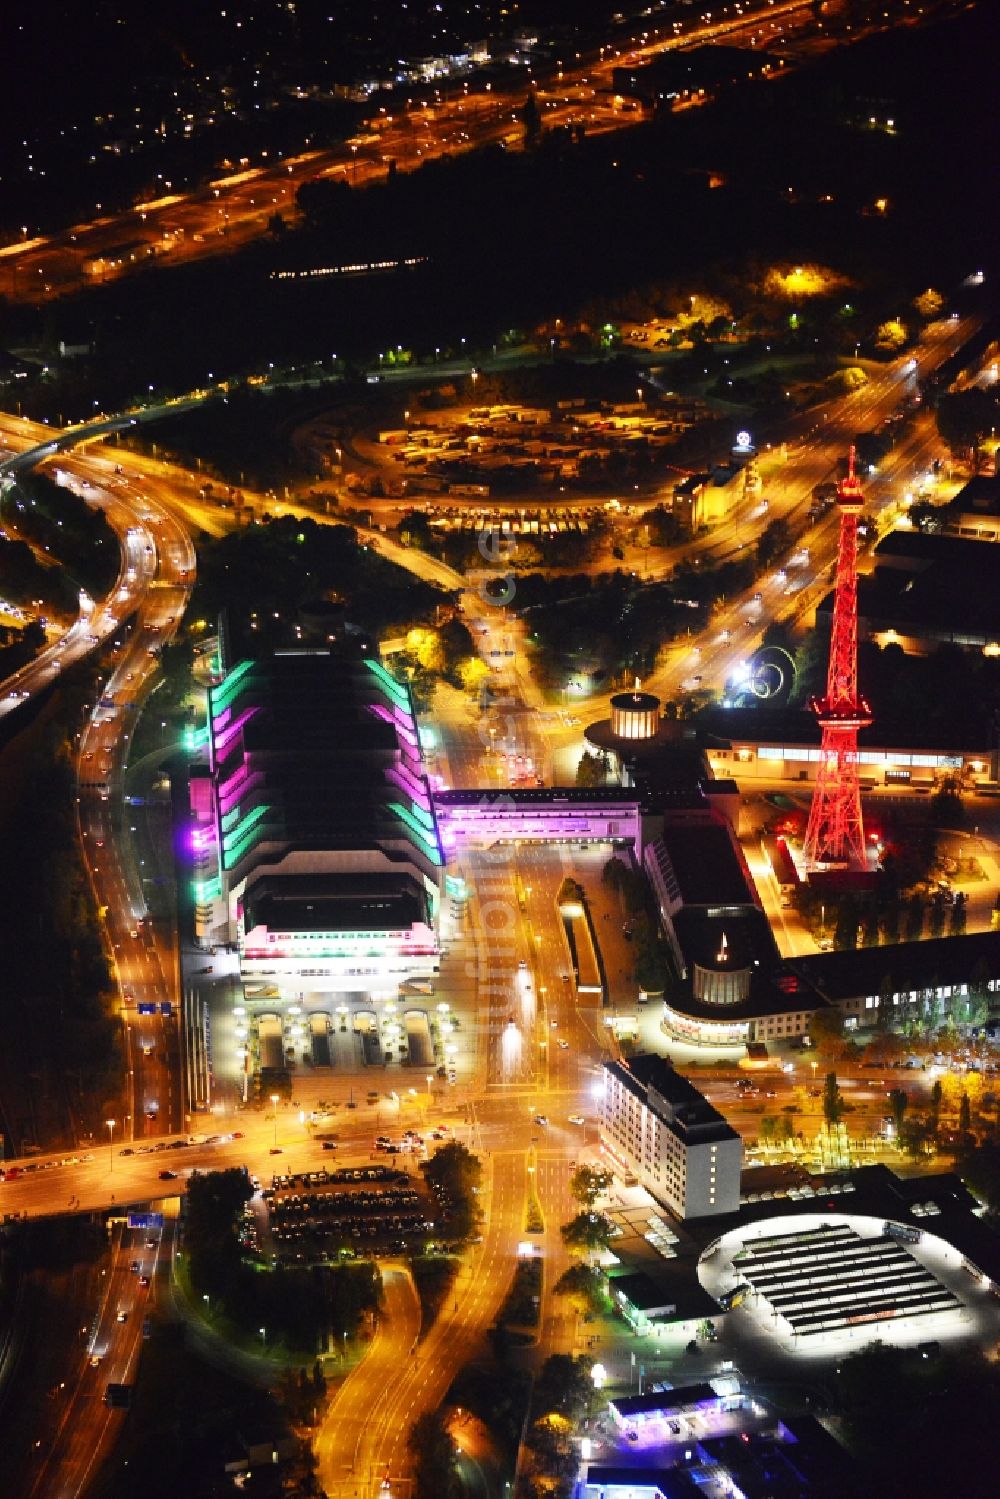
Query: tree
x=845 y=933
x=979 y=1168
x=531 y=119
x=833 y=1100
x=946 y=803
x=913 y=926
x=592 y=769
x=586 y=1287
x=214 y=1202
x=869 y=927
x=564 y=1385
x=426 y=647
x=586 y=1232
x=959 y=913
x=898 y=1100
x=773 y=541
x=885 y=1048
x=928 y=304
x=964 y=417
x=472 y=673
x=891 y=336
x=415 y=530
x=826 y=1028
x=938 y=914
x=965 y=1114
x=890 y=919
x=453 y=1173
x=934 y=1112
x=588 y=1183
x=433 y=1452
x=915 y=1137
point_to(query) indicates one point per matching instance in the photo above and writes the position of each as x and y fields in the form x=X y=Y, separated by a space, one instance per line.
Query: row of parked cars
x=370 y=1217
x=12 y=1173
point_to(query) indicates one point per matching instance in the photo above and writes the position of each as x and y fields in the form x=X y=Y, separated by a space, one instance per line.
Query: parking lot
x=368 y=1209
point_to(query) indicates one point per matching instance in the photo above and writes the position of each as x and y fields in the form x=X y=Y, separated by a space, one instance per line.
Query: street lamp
x=274 y=1105
x=111 y=1136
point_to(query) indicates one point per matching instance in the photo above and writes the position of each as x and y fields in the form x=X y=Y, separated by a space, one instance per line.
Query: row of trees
x=439 y=654
x=651 y=971
x=56 y=979
x=853 y=921
x=454 y=1175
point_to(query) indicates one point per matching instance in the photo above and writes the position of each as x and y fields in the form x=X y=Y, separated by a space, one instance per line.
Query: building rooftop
x=805 y=1461
x=315 y=750
x=708 y=865
x=980 y=495
x=670 y=1096
x=902 y=966
x=641 y=1291
x=657 y=1483
x=334 y=903
x=749 y=941
x=726 y=727
x=682 y=1398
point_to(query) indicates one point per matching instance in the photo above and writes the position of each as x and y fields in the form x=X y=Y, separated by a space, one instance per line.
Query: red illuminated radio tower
x=834 y=834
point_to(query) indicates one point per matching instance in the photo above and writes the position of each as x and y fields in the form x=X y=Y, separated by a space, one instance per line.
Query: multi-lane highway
x=83 y=1425
x=161 y=555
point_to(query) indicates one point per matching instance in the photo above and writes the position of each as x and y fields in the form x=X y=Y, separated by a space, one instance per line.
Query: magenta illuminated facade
x=481 y=819
x=316 y=846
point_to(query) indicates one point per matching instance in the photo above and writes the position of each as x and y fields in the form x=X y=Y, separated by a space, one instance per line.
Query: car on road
x=541 y=1119
x=144 y=1280
x=276 y=1150
x=122 y=1317
x=563 y=1045
x=168 y=1176
x=576 y=1119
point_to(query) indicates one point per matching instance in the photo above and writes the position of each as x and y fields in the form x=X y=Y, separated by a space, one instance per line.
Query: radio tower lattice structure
x=835 y=833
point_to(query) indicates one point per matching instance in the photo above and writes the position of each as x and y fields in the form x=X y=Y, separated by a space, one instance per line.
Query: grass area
x=523 y=1303
x=433 y=1276
x=228 y=1331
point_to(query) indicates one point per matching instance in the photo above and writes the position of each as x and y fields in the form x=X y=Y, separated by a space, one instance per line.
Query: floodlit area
x=824 y=1285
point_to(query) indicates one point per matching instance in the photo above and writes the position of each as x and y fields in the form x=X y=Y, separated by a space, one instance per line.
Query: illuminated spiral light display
x=767 y=676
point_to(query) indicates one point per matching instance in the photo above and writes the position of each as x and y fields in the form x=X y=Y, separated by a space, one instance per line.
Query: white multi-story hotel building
x=657 y=1128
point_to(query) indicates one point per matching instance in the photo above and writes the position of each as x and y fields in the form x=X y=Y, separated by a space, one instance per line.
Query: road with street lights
x=237 y=206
